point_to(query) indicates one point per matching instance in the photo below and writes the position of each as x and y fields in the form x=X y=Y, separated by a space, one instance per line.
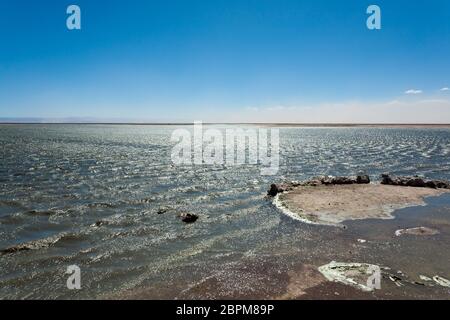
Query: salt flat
x=333 y=204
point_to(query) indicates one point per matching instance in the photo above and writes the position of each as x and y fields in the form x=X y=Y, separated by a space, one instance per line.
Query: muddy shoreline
x=294 y=263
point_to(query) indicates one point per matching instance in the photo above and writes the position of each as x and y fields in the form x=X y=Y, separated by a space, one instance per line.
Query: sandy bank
x=332 y=204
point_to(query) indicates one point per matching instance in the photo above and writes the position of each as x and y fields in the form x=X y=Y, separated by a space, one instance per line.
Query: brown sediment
x=333 y=204
x=300 y=281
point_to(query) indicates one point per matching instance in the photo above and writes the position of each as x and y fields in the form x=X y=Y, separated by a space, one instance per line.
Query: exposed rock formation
x=414 y=181
x=321 y=180
x=278 y=188
x=188 y=217
x=362 y=179
x=386 y=179
x=344 y=180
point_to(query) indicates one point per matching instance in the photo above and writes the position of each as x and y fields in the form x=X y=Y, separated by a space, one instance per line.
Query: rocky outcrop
x=188 y=217
x=321 y=180
x=337 y=180
x=364 y=179
x=414 y=181
x=332 y=180
x=279 y=188
x=386 y=179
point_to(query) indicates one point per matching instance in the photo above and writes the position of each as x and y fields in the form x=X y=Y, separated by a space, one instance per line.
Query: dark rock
x=188 y=217
x=277 y=188
x=161 y=210
x=320 y=180
x=441 y=184
x=413 y=182
x=430 y=184
x=40 y=213
x=343 y=180
x=331 y=180
x=98 y=223
x=395 y=181
x=363 y=179
x=386 y=179
x=326 y=180
x=311 y=183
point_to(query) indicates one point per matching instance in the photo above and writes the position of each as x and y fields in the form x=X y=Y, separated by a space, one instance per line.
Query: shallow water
x=94 y=191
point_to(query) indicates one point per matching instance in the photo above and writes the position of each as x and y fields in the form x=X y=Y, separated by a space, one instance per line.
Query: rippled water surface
x=107 y=198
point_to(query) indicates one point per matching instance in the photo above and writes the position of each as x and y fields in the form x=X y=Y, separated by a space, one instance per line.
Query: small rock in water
x=188 y=217
x=277 y=188
x=274 y=190
x=98 y=223
x=419 y=231
x=362 y=241
x=161 y=210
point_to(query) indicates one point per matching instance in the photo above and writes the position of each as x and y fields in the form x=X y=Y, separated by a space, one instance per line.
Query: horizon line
x=300 y=124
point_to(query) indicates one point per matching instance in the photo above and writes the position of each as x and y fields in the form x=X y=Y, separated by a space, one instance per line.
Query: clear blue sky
x=176 y=60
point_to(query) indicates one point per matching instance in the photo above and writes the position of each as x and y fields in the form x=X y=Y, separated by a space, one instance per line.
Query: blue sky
x=226 y=60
